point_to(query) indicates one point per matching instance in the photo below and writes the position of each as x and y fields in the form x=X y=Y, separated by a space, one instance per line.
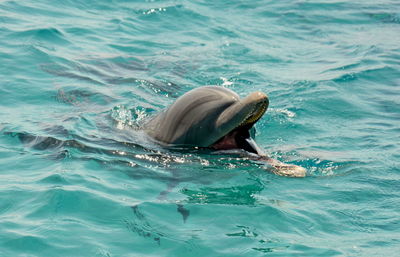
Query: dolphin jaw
x=245 y=111
x=237 y=136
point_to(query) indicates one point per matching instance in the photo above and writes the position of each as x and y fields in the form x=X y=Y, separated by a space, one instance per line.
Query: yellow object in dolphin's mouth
x=256 y=114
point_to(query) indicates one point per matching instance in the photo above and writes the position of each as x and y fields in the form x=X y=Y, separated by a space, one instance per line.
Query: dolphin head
x=210 y=116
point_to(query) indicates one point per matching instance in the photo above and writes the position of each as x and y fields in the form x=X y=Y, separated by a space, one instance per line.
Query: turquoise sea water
x=77 y=77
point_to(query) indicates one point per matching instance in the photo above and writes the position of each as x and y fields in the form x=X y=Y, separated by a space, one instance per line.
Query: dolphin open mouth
x=212 y=117
x=240 y=137
x=217 y=118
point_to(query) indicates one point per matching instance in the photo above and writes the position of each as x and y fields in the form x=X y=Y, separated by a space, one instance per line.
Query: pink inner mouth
x=227 y=142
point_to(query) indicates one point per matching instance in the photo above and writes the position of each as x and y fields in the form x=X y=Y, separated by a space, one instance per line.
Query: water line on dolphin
x=217 y=118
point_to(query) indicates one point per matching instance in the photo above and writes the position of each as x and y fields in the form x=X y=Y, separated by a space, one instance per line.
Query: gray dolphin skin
x=217 y=118
x=204 y=115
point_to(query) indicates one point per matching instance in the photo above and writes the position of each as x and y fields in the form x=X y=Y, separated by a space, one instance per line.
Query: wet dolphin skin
x=210 y=116
x=217 y=118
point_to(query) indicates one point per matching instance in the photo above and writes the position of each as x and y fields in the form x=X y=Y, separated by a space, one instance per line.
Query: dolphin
x=217 y=118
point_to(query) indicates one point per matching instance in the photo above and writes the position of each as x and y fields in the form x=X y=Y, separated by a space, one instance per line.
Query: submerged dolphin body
x=217 y=118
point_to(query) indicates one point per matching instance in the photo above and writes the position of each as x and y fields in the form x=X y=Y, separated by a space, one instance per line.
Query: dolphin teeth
x=256 y=114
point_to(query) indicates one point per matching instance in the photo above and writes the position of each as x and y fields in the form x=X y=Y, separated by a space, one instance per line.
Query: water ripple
x=78 y=79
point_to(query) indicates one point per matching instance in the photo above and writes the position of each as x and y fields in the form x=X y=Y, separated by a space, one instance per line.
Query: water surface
x=77 y=78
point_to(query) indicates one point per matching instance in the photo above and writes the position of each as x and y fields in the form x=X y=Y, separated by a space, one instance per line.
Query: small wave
x=51 y=36
x=130 y=117
x=65 y=71
x=385 y=17
x=79 y=97
x=372 y=74
x=285 y=112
